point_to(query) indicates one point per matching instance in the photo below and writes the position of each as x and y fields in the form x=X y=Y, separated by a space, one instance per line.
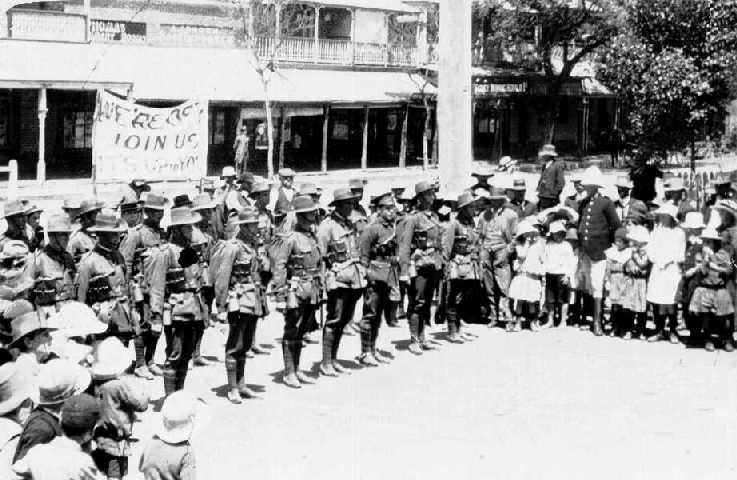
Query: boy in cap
x=67 y=456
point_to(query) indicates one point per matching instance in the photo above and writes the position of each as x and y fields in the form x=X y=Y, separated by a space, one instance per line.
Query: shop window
x=78 y=130
x=217 y=127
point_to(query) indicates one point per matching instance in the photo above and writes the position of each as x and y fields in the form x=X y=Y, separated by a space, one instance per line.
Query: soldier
x=15 y=216
x=101 y=279
x=54 y=268
x=175 y=295
x=420 y=263
x=34 y=230
x=461 y=244
x=134 y=249
x=16 y=280
x=130 y=212
x=497 y=227
x=71 y=208
x=345 y=280
x=83 y=240
x=203 y=241
x=238 y=269
x=296 y=263
x=378 y=249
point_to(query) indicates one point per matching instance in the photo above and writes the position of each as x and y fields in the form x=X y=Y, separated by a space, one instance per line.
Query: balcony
x=336 y=52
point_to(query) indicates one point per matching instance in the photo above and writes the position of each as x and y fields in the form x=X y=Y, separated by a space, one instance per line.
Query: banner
x=133 y=141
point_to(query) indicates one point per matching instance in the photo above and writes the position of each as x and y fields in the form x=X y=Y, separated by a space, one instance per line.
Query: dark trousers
x=110 y=465
x=341 y=307
x=241 y=331
x=421 y=291
x=375 y=301
x=299 y=321
x=147 y=339
x=180 y=351
x=463 y=302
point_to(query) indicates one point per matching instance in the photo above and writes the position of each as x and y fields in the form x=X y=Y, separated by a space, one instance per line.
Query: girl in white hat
x=525 y=291
x=636 y=271
x=616 y=283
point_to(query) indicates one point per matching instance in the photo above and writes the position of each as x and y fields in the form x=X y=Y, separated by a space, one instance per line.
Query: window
x=78 y=130
x=217 y=127
x=4 y=121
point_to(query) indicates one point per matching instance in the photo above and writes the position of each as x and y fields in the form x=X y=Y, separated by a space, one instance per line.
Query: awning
x=174 y=74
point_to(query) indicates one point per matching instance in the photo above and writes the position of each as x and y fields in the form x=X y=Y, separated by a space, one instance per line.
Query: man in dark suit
x=552 y=179
x=599 y=221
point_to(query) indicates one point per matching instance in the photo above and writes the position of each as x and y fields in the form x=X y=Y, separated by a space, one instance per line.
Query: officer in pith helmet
x=297 y=266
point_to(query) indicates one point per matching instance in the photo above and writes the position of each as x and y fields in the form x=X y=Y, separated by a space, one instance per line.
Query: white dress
x=666 y=250
x=527 y=283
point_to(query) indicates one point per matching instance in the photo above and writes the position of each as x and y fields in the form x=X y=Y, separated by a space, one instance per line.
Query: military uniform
x=345 y=280
x=378 y=249
x=238 y=272
x=53 y=274
x=298 y=278
x=203 y=243
x=81 y=241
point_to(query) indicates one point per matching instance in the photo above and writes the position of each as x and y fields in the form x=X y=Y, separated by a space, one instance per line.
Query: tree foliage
x=673 y=68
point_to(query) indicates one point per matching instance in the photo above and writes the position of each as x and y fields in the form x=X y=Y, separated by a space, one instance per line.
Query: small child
x=616 y=283
x=560 y=267
x=576 y=302
x=693 y=227
x=711 y=301
x=121 y=397
x=525 y=291
x=636 y=271
x=169 y=454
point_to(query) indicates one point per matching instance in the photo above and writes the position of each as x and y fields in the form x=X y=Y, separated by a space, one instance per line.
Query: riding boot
x=240 y=369
x=367 y=341
x=170 y=381
x=297 y=354
x=231 y=369
x=336 y=345
x=290 y=377
x=596 y=322
x=326 y=366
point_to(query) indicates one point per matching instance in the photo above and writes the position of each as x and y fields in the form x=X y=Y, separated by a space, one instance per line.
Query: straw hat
x=71 y=205
x=109 y=359
x=31 y=209
x=60 y=379
x=155 y=202
x=484 y=172
x=638 y=234
x=183 y=216
x=282 y=207
x=27 y=324
x=693 y=220
x=357 y=183
x=525 y=227
x=465 y=199
x=673 y=184
x=548 y=150
x=203 y=202
x=593 y=176
x=342 y=195
x=90 y=205
x=13 y=208
x=303 y=204
x=384 y=200
x=623 y=181
x=669 y=210
x=710 y=234
x=59 y=223
x=181 y=414
x=557 y=227
x=208 y=185
x=228 y=172
x=75 y=319
x=423 y=186
x=108 y=223
x=518 y=184
x=247 y=216
x=15 y=388
x=286 y=173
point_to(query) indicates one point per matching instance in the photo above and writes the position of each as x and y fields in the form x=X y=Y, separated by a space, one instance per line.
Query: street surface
x=554 y=404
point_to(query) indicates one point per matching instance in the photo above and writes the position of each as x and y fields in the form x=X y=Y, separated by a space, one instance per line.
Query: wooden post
x=282 y=137
x=353 y=36
x=586 y=117
x=317 y=35
x=364 y=148
x=277 y=24
x=403 y=140
x=87 y=9
x=42 y=111
x=325 y=126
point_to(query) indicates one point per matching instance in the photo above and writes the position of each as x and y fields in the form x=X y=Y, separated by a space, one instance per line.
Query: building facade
x=340 y=76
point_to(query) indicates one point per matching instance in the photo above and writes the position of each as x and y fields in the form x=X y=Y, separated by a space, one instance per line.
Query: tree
x=554 y=35
x=673 y=68
x=265 y=27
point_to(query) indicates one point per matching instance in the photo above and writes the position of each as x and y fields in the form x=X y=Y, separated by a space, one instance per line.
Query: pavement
x=556 y=404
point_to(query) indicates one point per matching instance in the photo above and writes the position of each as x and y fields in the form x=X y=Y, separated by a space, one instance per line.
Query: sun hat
x=572 y=234
x=593 y=176
x=423 y=186
x=129 y=203
x=184 y=216
x=71 y=205
x=181 y=414
x=155 y=202
x=59 y=379
x=638 y=234
x=260 y=186
x=342 y=195
x=548 y=150
x=31 y=209
x=558 y=212
x=109 y=359
x=518 y=184
x=244 y=217
x=710 y=234
x=303 y=204
x=27 y=324
x=59 y=223
x=75 y=319
x=623 y=181
x=81 y=412
x=108 y=223
x=15 y=388
x=484 y=172
x=557 y=227
x=693 y=220
x=90 y=205
x=13 y=208
x=729 y=206
x=384 y=200
x=228 y=172
x=525 y=227
x=203 y=202
x=357 y=183
x=669 y=210
x=465 y=199
x=14 y=249
x=286 y=173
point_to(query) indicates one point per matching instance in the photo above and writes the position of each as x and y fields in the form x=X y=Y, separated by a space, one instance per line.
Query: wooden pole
x=364 y=148
x=325 y=126
x=316 y=58
x=42 y=111
x=282 y=137
x=455 y=95
x=403 y=140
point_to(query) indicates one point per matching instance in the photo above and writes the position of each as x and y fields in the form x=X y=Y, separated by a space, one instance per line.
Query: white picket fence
x=12 y=170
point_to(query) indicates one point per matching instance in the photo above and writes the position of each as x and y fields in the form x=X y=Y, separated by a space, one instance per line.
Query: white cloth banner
x=133 y=141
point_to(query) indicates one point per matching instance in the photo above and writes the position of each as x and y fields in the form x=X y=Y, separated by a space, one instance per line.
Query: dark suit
x=552 y=180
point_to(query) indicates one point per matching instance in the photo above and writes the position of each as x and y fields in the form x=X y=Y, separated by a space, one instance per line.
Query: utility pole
x=455 y=117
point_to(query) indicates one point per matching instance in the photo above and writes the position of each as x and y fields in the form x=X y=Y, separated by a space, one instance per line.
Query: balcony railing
x=46 y=25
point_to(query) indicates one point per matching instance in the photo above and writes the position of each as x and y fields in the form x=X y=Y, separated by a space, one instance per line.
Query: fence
x=12 y=170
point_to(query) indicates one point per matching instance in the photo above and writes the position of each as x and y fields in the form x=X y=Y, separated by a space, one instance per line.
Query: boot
x=297 y=353
x=336 y=344
x=170 y=381
x=453 y=336
x=290 y=377
x=231 y=371
x=596 y=322
x=181 y=378
x=367 y=344
x=368 y=360
x=326 y=366
x=241 y=386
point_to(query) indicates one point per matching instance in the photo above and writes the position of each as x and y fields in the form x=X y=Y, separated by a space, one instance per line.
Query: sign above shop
x=499 y=88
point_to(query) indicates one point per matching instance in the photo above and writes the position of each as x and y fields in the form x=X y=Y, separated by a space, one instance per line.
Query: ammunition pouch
x=462 y=268
x=45 y=292
x=99 y=289
x=380 y=271
x=241 y=273
x=420 y=241
x=175 y=281
x=338 y=251
x=461 y=245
